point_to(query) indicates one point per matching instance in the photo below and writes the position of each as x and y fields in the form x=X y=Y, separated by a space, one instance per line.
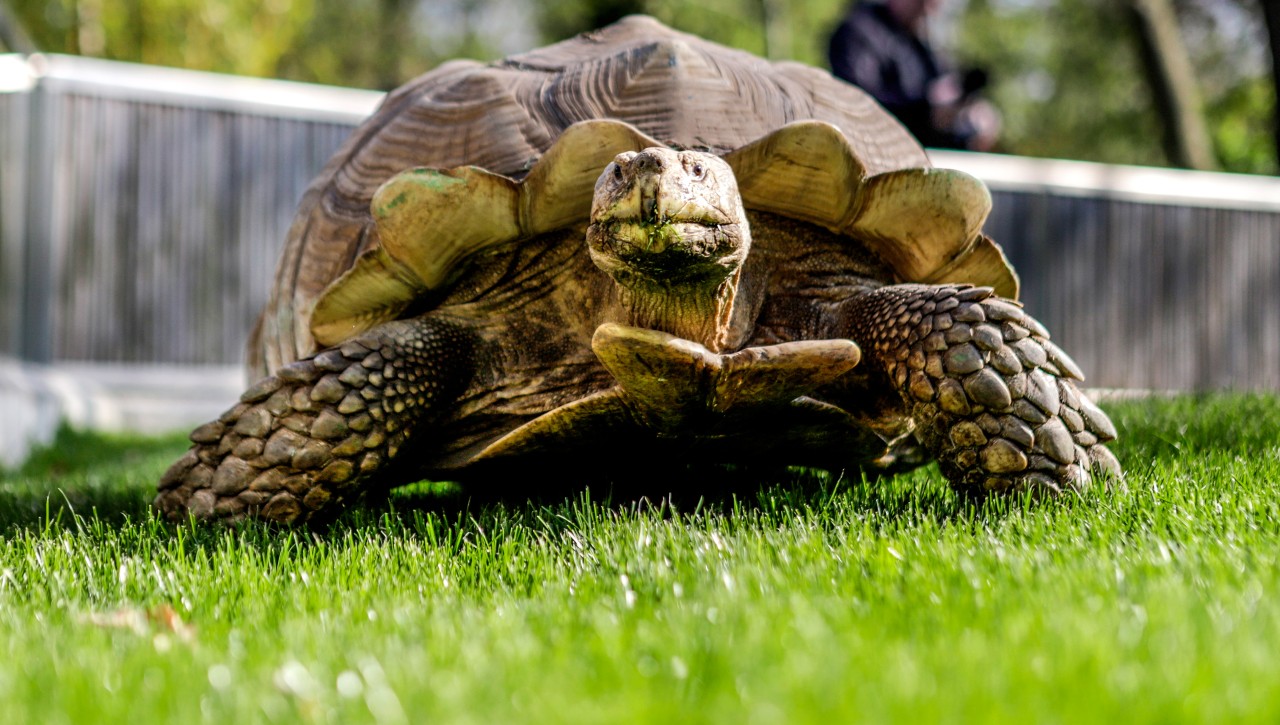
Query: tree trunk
x=1173 y=84
x=777 y=29
x=1271 y=11
x=393 y=42
x=12 y=34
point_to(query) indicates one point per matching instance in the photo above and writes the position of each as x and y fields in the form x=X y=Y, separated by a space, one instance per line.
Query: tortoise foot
x=670 y=379
x=302 y=441
x=990 y=395
x=669 y=387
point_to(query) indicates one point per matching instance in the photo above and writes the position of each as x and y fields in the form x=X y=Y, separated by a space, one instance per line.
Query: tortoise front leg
x=313 y=435
x=992 y=398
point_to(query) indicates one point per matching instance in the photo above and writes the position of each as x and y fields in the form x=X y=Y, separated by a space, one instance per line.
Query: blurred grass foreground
x=805 y=600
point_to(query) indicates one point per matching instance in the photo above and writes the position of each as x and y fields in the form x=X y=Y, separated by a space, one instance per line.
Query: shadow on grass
x=107 y=476
x=770 y=496
x=111 y=479
x=75 y=451
x=1151 y=430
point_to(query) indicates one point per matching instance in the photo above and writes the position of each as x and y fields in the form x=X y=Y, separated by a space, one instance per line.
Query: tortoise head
x=665 y=219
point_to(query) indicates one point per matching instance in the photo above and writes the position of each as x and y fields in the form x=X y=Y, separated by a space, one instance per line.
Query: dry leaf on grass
x=143 y=621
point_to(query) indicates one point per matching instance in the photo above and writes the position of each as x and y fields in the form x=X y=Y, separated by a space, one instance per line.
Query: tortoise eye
x=617 y=172
x=697 y=172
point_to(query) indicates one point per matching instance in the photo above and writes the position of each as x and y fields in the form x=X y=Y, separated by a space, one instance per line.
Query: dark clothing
x=871 y=50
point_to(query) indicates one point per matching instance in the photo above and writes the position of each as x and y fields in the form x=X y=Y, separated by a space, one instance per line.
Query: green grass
x=806 y=600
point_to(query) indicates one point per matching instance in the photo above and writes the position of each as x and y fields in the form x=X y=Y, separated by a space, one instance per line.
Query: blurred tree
x=364 y=43
x=13 y=35
x=1065 y=77
x=1069 y=77
x=1271 y=13
x=1229 y=48
x=1172 y=83
x=566 y=18
x=794 y=29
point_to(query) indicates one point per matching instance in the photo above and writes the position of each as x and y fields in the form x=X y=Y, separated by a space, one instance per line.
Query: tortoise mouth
x=668 y=253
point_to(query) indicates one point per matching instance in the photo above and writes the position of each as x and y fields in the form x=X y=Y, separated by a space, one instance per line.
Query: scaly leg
x=991 y=396
x=311 y=436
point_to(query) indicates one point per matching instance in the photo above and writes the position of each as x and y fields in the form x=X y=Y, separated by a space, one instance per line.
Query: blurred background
x=152 y=153
x=1072 y=78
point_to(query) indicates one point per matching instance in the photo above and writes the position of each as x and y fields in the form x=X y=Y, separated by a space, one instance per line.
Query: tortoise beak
x=646 y=172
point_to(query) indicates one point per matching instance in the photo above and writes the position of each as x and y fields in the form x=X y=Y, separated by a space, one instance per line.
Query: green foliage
x=1069 y=81
x=810 y=600
x=784 y=29
x=1240 y=119
x=359 y=43
x=1229 y=41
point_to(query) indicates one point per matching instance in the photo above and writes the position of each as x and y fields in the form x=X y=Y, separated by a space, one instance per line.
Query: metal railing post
x=35 y=316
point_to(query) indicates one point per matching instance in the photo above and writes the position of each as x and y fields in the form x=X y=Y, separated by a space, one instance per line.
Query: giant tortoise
x=636 y=251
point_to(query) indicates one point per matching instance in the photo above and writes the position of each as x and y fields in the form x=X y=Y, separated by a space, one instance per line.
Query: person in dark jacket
x=881 y=47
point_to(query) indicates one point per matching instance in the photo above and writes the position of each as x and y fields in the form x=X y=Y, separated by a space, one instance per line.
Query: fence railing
x=1150 y=278
x=142 y=211
x=143 y=208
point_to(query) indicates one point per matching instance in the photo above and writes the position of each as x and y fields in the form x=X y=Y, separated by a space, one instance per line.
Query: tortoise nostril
x=647 y=162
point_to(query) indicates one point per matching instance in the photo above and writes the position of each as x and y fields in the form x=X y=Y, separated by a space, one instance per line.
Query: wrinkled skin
x=678 y=338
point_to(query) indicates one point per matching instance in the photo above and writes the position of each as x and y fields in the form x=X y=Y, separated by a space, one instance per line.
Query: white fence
x=143 y=208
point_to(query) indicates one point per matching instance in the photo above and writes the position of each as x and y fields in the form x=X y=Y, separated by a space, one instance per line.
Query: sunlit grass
x=805 y=599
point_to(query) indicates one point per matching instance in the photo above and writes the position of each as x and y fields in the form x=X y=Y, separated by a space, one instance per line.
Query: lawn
x=801 y=600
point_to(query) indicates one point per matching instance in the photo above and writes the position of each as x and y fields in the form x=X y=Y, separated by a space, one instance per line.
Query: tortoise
x=636 y=250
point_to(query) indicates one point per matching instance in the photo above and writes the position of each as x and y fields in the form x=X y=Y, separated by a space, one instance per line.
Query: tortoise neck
x=697 y=313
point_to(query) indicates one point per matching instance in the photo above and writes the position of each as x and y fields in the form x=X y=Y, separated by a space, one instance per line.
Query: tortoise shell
x=667 y=87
